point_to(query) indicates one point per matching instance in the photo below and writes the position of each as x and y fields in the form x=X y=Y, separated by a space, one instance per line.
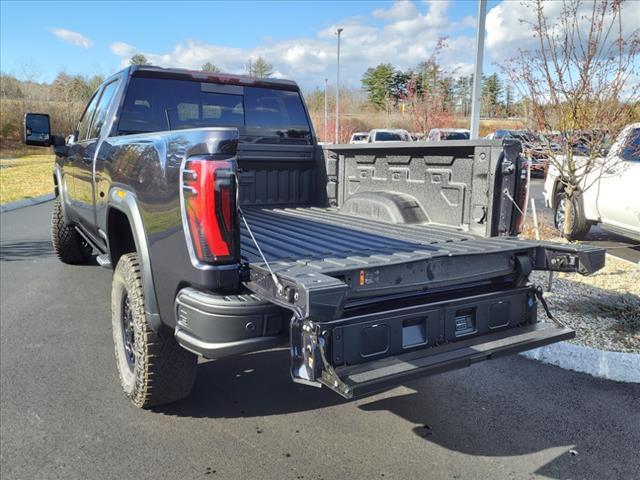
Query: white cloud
x=400 y=10
x=403 y=35
x=122 y=49
x=509 y=26
x=72 y=37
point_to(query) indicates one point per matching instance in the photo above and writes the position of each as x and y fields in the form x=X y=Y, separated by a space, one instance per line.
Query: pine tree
x=139 y=59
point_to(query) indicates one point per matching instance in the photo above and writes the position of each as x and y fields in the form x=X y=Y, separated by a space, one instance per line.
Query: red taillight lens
x=210 y=211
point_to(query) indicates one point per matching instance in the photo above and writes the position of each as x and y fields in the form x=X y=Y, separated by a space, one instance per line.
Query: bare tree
x=576 y=83
x=210 y=67
x=427 y=93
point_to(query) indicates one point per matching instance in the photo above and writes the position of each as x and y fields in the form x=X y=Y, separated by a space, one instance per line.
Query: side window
x=101 y=110
x=85 y=121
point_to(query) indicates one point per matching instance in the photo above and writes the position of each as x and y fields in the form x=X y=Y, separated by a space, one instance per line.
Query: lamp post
x=326 y=109
x=339 y=31
x=477 y=75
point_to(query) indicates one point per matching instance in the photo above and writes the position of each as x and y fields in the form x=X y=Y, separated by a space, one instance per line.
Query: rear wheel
x=153 y=368
x=68 y=244
x=570 y=210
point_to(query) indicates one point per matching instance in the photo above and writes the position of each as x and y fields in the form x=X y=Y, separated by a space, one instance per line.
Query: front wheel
x=68 y=244
x=153 y=368
x=570 y=210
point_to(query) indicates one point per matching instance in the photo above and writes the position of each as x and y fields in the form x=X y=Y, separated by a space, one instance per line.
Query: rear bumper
x=216 y=326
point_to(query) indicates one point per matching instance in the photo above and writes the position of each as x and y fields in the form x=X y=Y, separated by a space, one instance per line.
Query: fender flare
x=61 y=192
x=126 y=202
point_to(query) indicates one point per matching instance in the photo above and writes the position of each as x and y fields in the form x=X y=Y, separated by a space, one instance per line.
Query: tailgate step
x=380 y=374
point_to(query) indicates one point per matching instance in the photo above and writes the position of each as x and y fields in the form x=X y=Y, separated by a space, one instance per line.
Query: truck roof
x=183 y=73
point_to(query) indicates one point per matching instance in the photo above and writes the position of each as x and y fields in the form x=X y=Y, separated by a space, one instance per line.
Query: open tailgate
x=414 y=325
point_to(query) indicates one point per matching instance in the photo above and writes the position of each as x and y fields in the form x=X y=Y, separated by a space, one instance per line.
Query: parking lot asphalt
x=62 y=414
x=616 y=245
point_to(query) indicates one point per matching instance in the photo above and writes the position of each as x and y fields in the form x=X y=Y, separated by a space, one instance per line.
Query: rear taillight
x=209 y=210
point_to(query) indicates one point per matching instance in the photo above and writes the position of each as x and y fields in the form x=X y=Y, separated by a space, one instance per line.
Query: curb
x=616 y=366
x=623 y=260
x=27 y=202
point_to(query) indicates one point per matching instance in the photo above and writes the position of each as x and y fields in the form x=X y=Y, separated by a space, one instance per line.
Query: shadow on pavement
x=463 y=411
x=16 y=251
x=252 y=385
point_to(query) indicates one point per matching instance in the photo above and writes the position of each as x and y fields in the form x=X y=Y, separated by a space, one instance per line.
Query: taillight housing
x=209 y=210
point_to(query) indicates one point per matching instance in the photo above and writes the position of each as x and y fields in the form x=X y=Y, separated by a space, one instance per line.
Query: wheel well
x=120 y=235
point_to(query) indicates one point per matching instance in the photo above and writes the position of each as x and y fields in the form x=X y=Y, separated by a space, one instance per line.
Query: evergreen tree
x=139 y=59
x=379 y=83
x=491 y=93
x=260 y=68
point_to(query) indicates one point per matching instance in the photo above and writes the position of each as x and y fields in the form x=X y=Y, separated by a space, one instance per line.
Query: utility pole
x=339 y=31
x=326 y=109
x=477 y=75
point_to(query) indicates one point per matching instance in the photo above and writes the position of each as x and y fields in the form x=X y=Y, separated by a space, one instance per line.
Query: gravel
x=596 y=305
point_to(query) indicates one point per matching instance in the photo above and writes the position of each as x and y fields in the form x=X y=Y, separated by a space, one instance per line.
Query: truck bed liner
x=329 y=241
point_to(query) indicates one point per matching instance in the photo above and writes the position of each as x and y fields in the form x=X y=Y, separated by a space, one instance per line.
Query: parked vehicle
x=609 y=191
x=388 y=135
x=359 y=137
x=536 y=148
x=438 y=134
x=230 y=230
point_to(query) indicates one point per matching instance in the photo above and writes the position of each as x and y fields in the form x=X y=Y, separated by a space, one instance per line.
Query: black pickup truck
x=230 y=229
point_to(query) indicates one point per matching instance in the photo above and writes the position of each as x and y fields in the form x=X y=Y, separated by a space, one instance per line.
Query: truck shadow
x=16 y=251
x=502 y=408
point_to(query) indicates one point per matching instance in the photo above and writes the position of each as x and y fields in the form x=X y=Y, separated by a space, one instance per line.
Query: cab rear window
x=262 y=115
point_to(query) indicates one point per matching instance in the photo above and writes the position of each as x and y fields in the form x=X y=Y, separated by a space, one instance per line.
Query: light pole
x=326 y=109
x=477 y=75
x=339 y=31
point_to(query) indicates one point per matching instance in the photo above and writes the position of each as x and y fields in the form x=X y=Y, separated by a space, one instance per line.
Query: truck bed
x=329 y=241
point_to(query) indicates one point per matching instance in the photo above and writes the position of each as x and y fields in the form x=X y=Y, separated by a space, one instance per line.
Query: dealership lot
x=63 y=414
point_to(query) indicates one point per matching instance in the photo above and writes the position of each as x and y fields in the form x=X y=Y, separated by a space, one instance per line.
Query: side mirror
x=37 y=129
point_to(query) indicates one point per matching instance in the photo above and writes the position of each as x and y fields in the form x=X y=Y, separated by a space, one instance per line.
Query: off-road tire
x=580 y=226
x=162 y=371
x=68 y=244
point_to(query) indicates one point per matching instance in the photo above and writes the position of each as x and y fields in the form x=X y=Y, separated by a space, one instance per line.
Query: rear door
x=86 y=153
x=618 y=204
x=76 y=153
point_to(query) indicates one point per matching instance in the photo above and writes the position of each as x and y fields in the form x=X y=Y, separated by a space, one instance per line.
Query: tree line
x=259 y=67
x=389 y=88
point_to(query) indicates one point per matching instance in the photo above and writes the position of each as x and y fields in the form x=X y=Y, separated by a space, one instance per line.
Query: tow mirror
x=37 y=129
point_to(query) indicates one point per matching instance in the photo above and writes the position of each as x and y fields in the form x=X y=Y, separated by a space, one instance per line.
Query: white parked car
x=359 y=137
x=611 y=196
x=438 y=134
x=389 y=135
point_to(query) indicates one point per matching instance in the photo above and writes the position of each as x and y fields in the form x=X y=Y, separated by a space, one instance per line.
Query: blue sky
x=38 y=39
